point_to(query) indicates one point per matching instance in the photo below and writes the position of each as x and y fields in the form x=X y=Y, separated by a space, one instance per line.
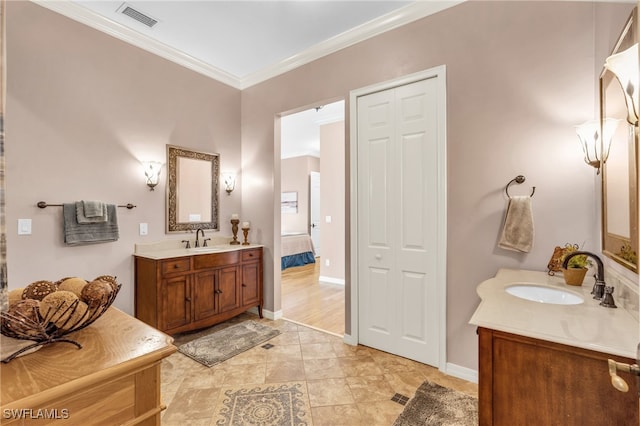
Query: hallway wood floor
x=306 y=300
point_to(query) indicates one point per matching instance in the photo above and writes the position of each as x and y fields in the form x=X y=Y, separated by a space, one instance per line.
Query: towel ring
x=518 y=179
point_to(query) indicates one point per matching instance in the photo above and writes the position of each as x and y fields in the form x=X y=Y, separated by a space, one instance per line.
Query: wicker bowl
x=55 y=323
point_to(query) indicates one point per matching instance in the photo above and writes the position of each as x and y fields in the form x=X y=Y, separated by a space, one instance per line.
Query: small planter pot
x=574 y=276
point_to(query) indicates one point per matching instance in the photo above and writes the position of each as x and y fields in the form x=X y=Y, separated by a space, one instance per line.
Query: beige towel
x=517 y=232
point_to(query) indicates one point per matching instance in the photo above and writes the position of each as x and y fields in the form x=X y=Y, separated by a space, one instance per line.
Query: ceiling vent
x=143 y=18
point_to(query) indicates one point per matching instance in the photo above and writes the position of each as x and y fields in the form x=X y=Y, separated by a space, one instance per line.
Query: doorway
x=312 y=164
x=398 y=221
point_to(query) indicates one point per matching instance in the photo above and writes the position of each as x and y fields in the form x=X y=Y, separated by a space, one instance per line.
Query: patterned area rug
x=216 y=347
x=266 y=405
x=437 y=405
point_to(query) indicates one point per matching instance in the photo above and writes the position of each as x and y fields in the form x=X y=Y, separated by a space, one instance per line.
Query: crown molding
x=390 y=21
x=94 y=20
x=382 y=24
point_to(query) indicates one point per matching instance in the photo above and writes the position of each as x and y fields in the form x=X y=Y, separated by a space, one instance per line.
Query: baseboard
x=268 y=314
x=330 y=280
x=462 y=372
x=350 y=340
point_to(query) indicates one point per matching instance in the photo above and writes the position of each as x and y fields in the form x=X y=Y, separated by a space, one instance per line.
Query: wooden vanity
x=545 y=363
x=531 y=381
x=191 y=291
x=113 y=380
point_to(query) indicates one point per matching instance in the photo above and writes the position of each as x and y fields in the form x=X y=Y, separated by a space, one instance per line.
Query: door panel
x=228 y=285
x=397 y=220
x=204 y=305
x=314 y=210
x=176 y=311
x=250 y=283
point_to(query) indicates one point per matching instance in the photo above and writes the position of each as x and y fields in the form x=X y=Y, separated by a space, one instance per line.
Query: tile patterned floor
x=345 y=385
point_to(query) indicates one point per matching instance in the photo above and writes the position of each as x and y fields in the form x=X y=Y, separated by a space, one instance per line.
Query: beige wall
x=295 y=177
x=332 y=201
x=82 y=110
x=520 y=76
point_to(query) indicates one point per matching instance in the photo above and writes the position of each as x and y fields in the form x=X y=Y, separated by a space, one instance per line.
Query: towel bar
x=518 y=179
x=43 y=204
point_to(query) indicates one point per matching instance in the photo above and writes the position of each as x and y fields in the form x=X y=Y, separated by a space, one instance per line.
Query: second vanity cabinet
x=526 y=381
x=185 y=293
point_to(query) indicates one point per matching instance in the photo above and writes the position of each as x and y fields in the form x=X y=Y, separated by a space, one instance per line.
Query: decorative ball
x=108 y=279
x=61 y=280
x=74 y=285
x=63 y=308
x=22 y=316
x=96 y=293
x=15 y=296
x=38 y=290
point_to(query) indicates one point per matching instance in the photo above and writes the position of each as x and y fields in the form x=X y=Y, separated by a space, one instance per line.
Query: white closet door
x=397 y=220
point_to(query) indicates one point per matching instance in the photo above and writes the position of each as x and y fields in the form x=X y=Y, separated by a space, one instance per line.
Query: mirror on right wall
x=620 y=171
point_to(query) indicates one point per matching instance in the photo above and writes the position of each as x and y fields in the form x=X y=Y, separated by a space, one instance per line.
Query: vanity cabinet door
x=251 y=283
x=176 y=302
x=526 y=381
x=227 y=290
x=204 y=292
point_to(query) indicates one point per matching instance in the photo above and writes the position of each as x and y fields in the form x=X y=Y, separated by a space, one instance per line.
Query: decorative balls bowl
x=45 y=311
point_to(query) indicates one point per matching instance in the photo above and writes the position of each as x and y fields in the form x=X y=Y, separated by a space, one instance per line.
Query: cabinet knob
x=244 y=285
x=176 y=266
x=188 y=299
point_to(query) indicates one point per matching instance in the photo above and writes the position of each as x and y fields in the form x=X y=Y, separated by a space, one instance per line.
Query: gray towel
x=93 y=208
x=517 y=232
x=86 y=233
x=91 y=212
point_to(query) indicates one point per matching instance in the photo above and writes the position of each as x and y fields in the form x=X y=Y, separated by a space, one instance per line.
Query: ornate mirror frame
x=621 y=248
x=175 y=187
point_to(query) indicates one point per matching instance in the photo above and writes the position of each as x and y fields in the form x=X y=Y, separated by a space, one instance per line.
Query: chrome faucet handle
x=204 y=244
x=188 y=243
x=607 y=299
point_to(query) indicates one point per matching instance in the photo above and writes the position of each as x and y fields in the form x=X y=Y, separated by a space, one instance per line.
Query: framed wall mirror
x=620 y=171
x=192 y=189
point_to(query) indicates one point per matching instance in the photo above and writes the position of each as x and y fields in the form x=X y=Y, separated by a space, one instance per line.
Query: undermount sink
x=204 y=249
x=544 y=294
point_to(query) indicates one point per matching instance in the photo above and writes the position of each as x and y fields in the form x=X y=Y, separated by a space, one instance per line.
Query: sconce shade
x=624 y=66
x=152 y=173
x=596 y=148
x=229 y=182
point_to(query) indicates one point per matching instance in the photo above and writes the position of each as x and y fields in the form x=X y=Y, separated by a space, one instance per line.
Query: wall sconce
x=596 y=148
x=152 y=172
x=229 y=182
x=624 y=66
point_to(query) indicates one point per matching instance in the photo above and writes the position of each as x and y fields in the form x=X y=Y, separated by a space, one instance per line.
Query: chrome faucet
x=600 y=290
x=197 y=233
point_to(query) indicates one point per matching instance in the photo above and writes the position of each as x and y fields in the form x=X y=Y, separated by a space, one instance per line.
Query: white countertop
x=175 y=248
x=586 y=325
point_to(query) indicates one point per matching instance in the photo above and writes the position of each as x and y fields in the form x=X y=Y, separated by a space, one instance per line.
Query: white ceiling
x=300 y=132
x=242 y=43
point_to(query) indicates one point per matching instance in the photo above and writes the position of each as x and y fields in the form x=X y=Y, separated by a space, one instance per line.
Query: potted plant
x=576 y=269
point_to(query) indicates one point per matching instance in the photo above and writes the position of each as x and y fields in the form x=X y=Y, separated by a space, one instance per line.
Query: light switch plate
x=24 y=226
x=144 y=229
